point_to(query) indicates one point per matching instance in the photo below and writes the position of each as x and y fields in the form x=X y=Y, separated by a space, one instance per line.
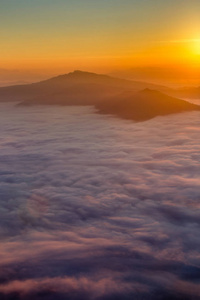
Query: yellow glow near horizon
x=196 y=46
x=183 y=51
x=192 y=45
x=55 y=37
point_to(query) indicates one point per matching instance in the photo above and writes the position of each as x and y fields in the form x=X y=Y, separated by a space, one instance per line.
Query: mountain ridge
x=144 y=105
x=126 y=99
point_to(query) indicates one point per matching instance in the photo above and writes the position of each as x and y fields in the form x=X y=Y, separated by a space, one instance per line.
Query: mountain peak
x=148 y=90
x=79 y=73
x=151 y=93
x=76 y=74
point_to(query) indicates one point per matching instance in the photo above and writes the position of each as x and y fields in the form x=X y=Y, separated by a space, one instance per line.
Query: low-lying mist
x=95 y=207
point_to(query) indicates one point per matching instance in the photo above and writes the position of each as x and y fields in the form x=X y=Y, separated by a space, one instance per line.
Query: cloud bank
x=94 y=207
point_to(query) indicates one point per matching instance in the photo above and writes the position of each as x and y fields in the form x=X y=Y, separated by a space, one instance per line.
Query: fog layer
x=95 y=207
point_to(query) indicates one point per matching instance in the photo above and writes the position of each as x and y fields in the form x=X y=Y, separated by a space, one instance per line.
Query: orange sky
x=52 y=37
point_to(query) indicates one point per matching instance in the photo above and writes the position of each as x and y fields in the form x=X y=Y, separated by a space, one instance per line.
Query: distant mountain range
x=74 y=88
x=173 y=75
x=186 y=92
x=138 y=101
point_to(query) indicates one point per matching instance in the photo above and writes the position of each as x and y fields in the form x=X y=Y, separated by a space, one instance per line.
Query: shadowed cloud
x=92 y=207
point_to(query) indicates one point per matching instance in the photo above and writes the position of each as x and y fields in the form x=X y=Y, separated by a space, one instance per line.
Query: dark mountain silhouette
x=76 y=88
x=144 y=105
x=120 y=97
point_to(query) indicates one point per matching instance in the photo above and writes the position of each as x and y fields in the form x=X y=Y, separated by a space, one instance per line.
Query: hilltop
x=128 y=99
x=144 y=105
x=75 y=88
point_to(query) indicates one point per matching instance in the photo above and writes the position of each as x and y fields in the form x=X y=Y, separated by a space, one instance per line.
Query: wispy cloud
x=181 y=41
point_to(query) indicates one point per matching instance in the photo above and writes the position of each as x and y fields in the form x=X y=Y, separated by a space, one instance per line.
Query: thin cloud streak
x=181 y=41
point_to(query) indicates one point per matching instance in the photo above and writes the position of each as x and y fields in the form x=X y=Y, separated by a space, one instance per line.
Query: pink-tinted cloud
x=92 y=207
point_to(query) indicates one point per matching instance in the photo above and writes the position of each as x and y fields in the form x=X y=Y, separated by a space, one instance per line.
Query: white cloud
x=86 y=197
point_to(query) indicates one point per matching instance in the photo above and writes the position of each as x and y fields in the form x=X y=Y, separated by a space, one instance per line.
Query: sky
x=57 y=36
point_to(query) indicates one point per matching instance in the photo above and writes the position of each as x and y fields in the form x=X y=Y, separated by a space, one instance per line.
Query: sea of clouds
x=93 y=207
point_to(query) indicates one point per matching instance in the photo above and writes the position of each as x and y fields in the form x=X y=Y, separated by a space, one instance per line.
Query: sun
x=195 y=46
